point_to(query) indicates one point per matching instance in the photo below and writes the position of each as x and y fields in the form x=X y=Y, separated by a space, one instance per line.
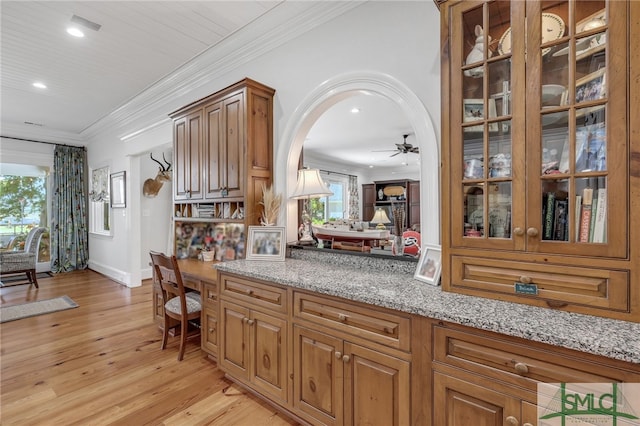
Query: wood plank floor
x=101 y=364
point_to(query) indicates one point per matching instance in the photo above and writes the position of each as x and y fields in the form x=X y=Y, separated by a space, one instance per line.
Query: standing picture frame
x=429 y=265
x=118 y=186
x=474 y=111
x=266 y=243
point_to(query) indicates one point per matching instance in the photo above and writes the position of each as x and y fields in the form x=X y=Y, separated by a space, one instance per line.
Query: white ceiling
x=140 y=43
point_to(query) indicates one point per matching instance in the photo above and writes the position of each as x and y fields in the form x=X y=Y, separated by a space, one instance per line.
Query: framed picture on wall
x=118 y=190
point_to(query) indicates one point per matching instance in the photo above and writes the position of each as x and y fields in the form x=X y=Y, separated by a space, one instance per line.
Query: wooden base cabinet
x=460 y=403
x=483 y=378
x=337 y=382
x=209 y=318
x=253 y=342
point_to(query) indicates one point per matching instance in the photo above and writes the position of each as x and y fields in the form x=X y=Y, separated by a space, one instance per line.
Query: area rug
x=31 y=309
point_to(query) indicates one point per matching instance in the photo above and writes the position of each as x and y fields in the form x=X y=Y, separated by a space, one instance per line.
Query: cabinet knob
x=525 y=279
x=250 y=322
x=527 y=424
x=346 y=358
x=518 y=231
x=245 y=320
x=249 y=292
x=521 y=368
x=212 y=330
x=512 y=421
x=342 y=317
x=532 y=232
x=338 y=355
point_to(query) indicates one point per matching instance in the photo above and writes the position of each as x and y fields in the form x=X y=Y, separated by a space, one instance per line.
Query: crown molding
x=281 y=24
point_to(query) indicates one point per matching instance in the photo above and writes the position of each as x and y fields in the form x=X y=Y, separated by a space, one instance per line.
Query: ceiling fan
x=403 y=148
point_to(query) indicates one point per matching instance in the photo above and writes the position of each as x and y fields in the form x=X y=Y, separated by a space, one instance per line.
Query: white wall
x=397 y=38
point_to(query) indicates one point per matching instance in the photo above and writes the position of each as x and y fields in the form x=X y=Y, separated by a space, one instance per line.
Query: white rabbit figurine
x=477 y=53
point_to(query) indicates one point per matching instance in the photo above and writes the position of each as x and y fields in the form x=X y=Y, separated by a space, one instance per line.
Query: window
x=23 y=206
x=335 y=206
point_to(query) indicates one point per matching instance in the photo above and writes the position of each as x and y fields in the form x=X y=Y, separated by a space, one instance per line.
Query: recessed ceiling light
x=39 y=85
x=355 y=110
x=75 y=32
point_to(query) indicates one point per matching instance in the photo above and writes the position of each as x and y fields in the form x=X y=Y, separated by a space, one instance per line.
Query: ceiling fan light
x=39 y=85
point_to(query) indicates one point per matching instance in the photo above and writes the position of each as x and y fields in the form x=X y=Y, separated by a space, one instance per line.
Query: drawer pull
x=527 y=424
x=521 y=368
x=249 y=292
x=556 y=304
x=512 y=421
x=342 y=317
x=346 y=358
x=338 y=355
x=525 y=279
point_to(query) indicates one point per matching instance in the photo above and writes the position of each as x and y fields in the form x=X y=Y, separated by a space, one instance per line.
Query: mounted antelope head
x=152 y=186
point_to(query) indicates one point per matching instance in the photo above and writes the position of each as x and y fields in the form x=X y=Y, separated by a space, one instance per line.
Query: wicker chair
x=13 y=262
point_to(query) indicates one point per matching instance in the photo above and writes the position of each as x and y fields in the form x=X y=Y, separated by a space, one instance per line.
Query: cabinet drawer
x=557 y=286
x=372 y=324
x=257 y=294
x=210 y=294
x=192 y=283
x=517 y=363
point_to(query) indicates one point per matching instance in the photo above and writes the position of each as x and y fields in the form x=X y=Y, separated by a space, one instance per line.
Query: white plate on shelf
x=552 y=29
x=550 y=92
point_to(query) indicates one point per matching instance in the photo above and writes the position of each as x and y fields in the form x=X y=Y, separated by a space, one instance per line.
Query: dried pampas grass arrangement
x=271 y=206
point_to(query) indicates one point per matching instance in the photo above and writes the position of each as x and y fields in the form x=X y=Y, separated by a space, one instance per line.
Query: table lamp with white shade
x=310 y=185
x=380 y=217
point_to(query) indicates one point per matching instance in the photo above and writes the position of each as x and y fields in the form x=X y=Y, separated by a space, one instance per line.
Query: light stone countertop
x=391 y=285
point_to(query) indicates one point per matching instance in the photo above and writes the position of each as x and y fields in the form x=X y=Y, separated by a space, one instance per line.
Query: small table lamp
x=380 y=217
x=310 y=185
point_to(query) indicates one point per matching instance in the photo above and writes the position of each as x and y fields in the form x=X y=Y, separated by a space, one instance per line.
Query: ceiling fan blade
x=385 y=150
x=393 y=155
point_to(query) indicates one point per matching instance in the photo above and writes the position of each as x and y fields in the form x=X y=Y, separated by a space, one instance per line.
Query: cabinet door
x=209 y=331
x=234 y=339
x=368 y=201
x=269 y=357
x=214 y=150
x=225 y=142
x=414 y=204
x=187 y=156
x=576 y=147
x=377 y=388
x=460 y=403
x=487 y=151
x=318 y=376
x=532 y=151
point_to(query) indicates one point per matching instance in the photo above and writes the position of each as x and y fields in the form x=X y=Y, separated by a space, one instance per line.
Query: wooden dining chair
x=185 y=307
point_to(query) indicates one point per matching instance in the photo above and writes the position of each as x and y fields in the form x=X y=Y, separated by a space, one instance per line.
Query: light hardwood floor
x=101 y=364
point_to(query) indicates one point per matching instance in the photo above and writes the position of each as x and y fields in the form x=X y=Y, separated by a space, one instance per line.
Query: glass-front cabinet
x=535 y=150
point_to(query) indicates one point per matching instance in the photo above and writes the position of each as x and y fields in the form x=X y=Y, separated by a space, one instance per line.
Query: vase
x=397 y=248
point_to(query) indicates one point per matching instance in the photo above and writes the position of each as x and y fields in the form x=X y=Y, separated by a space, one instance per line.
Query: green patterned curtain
x=69 y=230
x=354 y=200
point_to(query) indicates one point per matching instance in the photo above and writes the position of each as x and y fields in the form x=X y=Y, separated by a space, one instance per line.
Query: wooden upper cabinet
x=188 y=152
x=536 y=163
x=224 y=136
